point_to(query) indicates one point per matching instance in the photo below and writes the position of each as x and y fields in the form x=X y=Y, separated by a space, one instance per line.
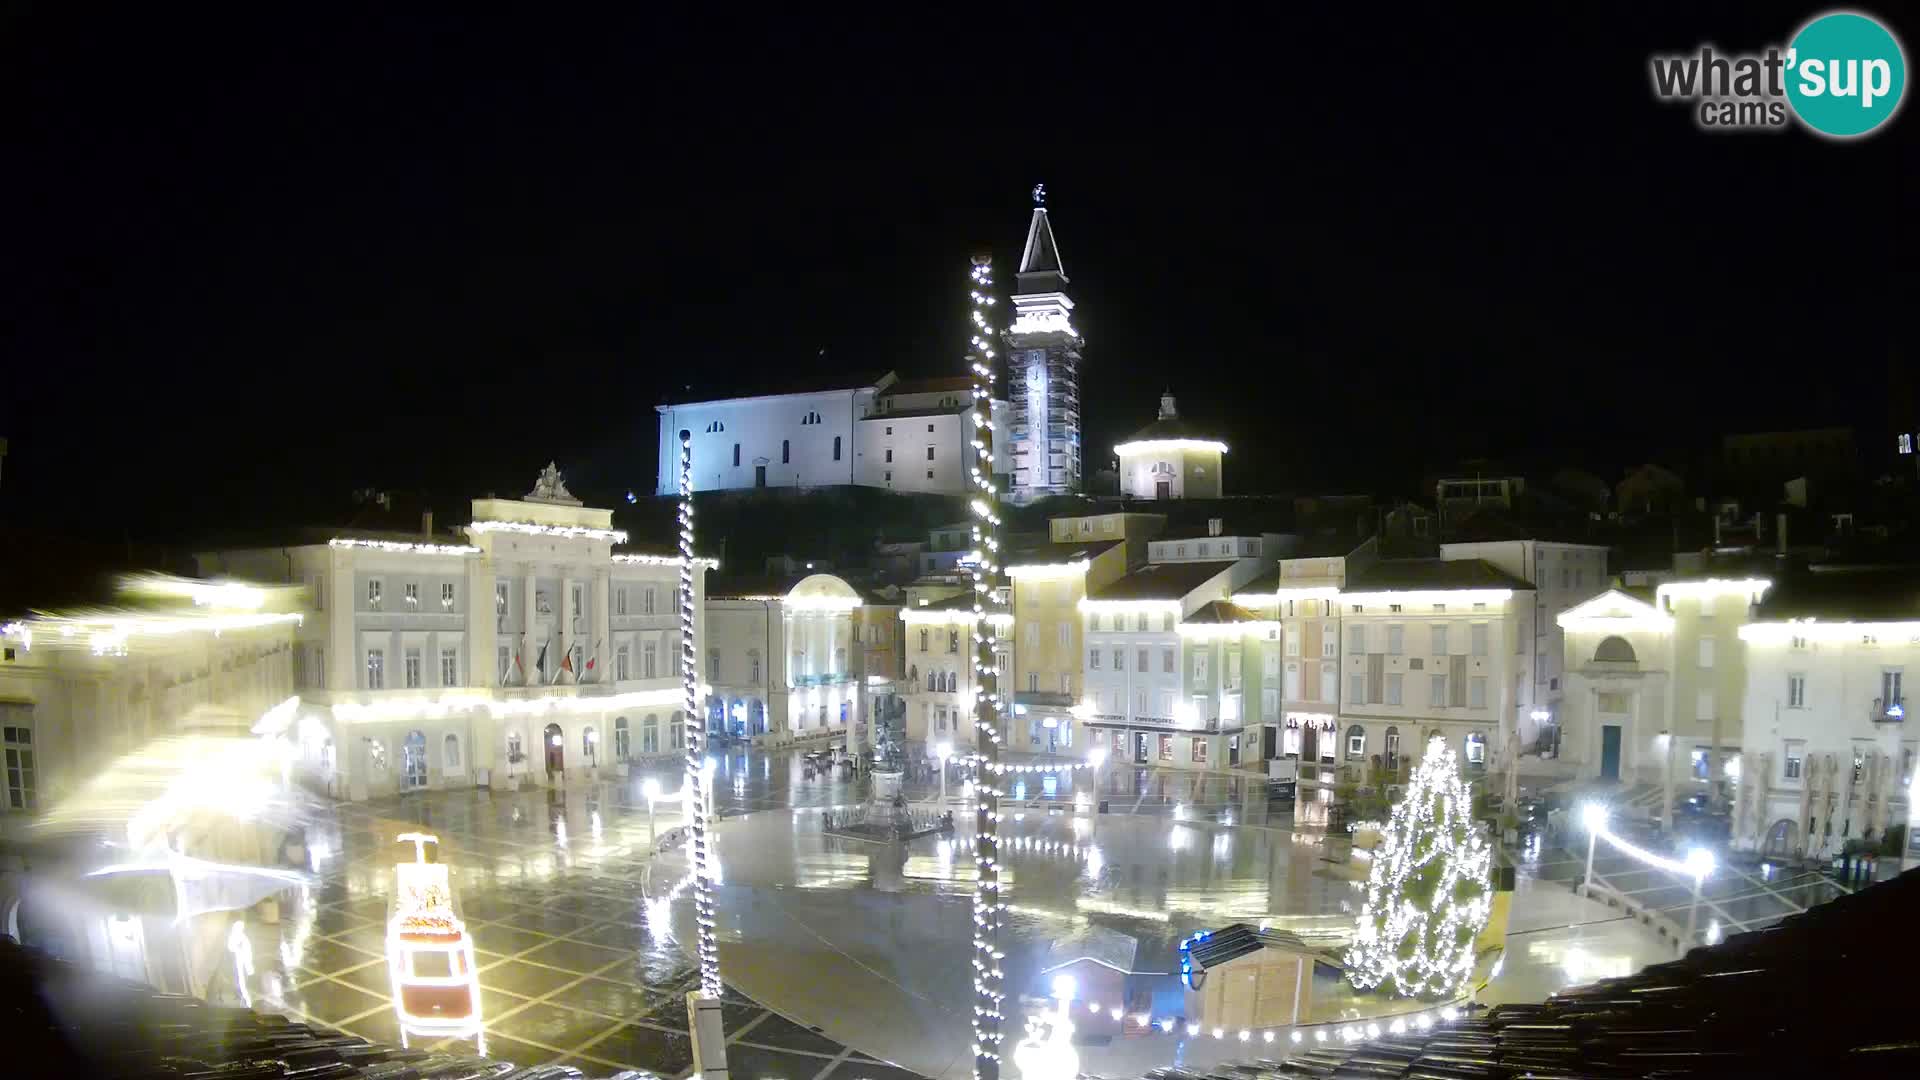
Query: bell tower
x=1043 y=368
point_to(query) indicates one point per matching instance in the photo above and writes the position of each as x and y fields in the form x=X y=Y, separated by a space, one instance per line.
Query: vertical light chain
x=696 y=737
x=989 y=906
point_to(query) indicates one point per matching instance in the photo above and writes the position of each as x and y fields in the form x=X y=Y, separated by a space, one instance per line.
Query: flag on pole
x=566 y=661
x=595 y=658
x=540 y=662
x=519 y=647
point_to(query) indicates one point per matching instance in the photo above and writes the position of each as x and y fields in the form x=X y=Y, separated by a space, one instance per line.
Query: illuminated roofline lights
x=222 y=594
x=1049 y=570
x=950 y=617
x=354 y=712
x=1214 y=631
x=631 y=559
x=402 y=547
x=1778 y=633
x=1155 y=446
x=1430 y=596
x=822 y=603
x=1089 y=604
x=1751 y=588
x=1637 y=615
x=618 y=536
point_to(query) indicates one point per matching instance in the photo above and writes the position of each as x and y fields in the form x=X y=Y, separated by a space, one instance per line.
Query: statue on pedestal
x=551 y=487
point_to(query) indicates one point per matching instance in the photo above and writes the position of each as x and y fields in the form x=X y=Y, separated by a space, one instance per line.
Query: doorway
x=413 y=761
x=1139 y=748
x=556 y=745
x=1610 y=751
x=759 y=476
x=1233 y=750
x=1269 y=743
x=1162 y=489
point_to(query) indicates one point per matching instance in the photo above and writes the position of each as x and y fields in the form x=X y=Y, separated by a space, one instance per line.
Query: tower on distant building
x=1043 y=369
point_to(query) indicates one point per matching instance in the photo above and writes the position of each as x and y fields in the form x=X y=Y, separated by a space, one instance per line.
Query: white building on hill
x=912 y=436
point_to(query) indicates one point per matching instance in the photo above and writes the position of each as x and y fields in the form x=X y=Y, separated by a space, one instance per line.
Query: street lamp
x=1594 y=816
x=943 y=751
x=650 y=788
x=1699 y=864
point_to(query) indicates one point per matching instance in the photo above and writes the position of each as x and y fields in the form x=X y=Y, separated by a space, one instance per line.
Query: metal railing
x=1889 y=710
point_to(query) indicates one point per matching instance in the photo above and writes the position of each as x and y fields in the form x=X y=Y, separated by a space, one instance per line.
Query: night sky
x=252 y=265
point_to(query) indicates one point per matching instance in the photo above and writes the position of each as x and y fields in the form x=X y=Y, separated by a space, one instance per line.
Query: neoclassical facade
x=524 y=649
x=782 y=662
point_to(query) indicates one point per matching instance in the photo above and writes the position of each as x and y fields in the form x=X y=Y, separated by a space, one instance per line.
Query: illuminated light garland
x=950 y=617
x=19 y=632
x=634 y=559
x=1751 y=588
x=1428 y=596
x=1428 y=888
x=1781 y=633
x=403 y=547
x=571 y=532
x=1155 y=446
x=1049 y=570
x=989 y=905
x=697 y=779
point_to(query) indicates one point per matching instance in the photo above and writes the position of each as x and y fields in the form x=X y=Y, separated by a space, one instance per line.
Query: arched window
x=1614 y=650
x=1356 y=742
x=621 y=735
x=1163 y=468
x=1393 y=747
x=753 y=665
x=913 y=676
x=786 y=452
x=376 y=755
x=1476 y=749
x=590 y=743
x=451 y=753
x=650 y=733
x=836 y=448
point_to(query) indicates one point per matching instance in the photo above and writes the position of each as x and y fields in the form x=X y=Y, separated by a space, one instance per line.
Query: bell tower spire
x=1043 y=367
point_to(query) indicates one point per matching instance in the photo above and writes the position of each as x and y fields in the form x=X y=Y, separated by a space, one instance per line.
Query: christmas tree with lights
x=1428 y=894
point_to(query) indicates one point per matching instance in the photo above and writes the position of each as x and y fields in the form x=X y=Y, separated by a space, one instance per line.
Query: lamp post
x=1594 y=816
x=650 y=788
x=1699 y=864
x=943 y=751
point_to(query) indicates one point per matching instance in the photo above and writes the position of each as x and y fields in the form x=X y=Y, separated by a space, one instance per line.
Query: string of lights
x=696 y=740
x=1428 y=893
x=989 y=906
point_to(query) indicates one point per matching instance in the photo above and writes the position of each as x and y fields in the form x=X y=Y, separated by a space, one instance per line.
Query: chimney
x=426 y=523
x=1167 y=411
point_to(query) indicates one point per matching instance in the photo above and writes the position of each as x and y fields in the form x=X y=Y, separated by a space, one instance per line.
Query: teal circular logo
x=1845 y=74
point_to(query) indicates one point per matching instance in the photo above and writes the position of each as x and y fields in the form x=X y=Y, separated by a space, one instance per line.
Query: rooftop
x=1048 y=554
x=1394 y=575
x=1163 y=581
x=1171 y=427
x=1221 y=612
x=821 y=383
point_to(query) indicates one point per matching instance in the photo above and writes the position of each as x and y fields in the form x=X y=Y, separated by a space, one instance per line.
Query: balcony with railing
x=1889 y=710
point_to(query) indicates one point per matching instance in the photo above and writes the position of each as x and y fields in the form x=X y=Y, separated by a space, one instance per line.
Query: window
x=649 y=660
x=1477 y=692
x=1166 y=623
x=889 y=429
x=929 y=453
x=500 y=598
x=1476 y=749
x=21 y=784
x=446 y=595
x=753 y=665
x=1440 y=640
x=736 y=455
x=622 y=748
x=1797 y=642
x=1033 y=635
x=1140 y=623
x=1703 y=705
x=1179 y=551
x=1393 y=743
x=1566 y=578
x=1166 y=748
x=1796 y=691
x=1356 y=742
x=589 y=742
x=1033 y=682
x=622 y=664
x=1329 y=641
x=1394 y=680
x=1437 y=694
x=1120 y=660
x=411 y=593
x=924 y=636
x=1233 y=665
x=1093 y=659
x=713 y=665
x=450 y=751
x=1706 y=607
x=1890 y=691
x=576 y=609
x=376 y=669
x=716 y=426
x=1200 y=665
x=953 y=641
x=319 y=592
x=1066 y=683
x=620 y=600
x=374 y=589
x=1199 y=751
x=1293 y=644
x=1066 y=635
x=504 y=655
x=1356 y=689
x=929 y=427
x=1791 y=759
x=449 y=667
x=1477 y=638
x=786 y=452
x=647 y=600
x=1356 y=640
x=836 y=448
x=1706 y=652
x=1396 y=636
